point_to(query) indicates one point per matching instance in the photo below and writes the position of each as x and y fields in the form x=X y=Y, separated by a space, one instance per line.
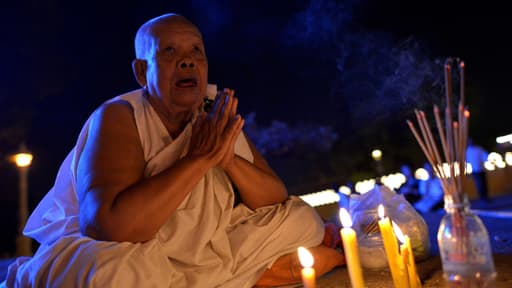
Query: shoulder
x=114 y=111
x=114 y=118
x=124 y=106
x=116 y=105
x=122 y=103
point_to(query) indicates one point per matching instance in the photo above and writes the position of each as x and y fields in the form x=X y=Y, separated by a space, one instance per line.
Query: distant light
x=421 y=174
x=489 y=166
x=447 y=170
x=445 y=167
x=469 y=168
x=345 y=190
x=508 y=158
x=22 y=159
x=321 y=198
x=504 y=139
x=364 y=186
x=393 y=181
x=494 y=157
x=377 y=154
x=501 y=164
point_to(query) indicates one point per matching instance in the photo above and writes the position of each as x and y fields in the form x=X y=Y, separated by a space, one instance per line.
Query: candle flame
x=305 y=257
x=380 y=210
x=398 y=233
x=466 y=113
x=345 y=219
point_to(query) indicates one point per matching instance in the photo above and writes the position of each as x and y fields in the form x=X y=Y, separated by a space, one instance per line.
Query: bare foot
x=286 y=269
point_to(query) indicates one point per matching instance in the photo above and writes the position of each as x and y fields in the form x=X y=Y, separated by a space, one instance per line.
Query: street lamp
x=23 y=160
x=377 y=156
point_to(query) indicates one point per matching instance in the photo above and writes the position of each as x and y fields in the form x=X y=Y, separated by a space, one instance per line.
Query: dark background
x=357 y=67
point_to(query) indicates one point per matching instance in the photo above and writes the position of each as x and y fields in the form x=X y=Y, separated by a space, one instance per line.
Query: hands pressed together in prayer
x=215 y=132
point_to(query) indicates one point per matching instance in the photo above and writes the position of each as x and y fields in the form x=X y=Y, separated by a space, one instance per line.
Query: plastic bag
x=363 y=209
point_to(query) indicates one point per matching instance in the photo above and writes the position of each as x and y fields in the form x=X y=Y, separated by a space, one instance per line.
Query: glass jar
x=464 y=247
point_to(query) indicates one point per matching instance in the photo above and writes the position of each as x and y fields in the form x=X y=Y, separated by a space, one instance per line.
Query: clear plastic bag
x=363 y=209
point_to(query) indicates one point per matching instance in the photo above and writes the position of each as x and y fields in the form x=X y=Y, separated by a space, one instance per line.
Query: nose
x=186 y=62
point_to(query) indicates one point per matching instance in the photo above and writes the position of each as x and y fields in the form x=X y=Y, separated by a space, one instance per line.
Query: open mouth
x=186 y=83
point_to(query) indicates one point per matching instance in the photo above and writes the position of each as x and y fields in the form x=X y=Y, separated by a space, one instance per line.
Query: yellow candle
x=404 y=273
x=348 y=235
x=390 y=246
x=407 y=258
x=308 y=272
x=403 y=257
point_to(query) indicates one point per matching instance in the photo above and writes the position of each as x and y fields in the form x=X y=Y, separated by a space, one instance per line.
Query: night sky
x=360 y=67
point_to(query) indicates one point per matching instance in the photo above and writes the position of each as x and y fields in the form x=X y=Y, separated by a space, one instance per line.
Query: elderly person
x=146 y=198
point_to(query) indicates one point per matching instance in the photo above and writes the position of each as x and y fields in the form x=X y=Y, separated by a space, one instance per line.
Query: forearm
x=256 y=186
x=138 y=212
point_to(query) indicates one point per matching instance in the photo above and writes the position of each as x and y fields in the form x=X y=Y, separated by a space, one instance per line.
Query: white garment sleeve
x=242 y=148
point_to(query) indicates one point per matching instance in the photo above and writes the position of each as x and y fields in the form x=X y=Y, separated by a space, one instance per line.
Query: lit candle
x=390 y=246
x=308 y=272
x=407 y=257
x=348 y=235
x=403 y=259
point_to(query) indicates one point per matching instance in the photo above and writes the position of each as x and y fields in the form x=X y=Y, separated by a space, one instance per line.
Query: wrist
x=201 y=160
x=228 y=165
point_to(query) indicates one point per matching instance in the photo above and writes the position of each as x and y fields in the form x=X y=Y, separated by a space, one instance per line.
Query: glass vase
x=464 y=246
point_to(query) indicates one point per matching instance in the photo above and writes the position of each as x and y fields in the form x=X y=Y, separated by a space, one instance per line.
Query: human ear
x=139 y=68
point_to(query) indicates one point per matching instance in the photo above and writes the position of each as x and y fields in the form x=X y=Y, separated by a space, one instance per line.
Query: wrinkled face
x=177 y=70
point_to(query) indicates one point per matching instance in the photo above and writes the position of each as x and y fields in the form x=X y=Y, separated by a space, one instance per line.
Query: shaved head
x=144 y=39
x=171 y=64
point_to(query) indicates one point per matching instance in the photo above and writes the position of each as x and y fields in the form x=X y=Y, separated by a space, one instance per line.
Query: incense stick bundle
x=451 y=168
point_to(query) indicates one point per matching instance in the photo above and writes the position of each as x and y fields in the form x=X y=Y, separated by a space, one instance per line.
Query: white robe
x=206 y=243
